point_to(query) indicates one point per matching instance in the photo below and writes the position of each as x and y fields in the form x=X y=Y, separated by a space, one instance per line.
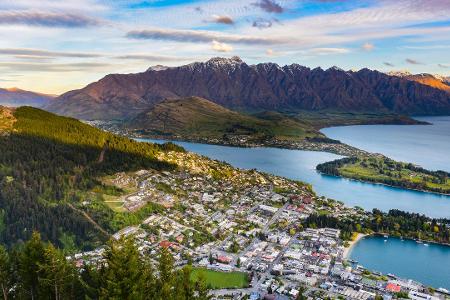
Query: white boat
x=386 y=236
x=425 y=244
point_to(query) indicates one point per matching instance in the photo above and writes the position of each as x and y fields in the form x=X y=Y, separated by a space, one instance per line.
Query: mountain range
x=18 y=97
x=232 y=83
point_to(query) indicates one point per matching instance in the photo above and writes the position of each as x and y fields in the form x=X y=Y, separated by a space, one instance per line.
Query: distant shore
x=385 y=184
x=348 y=249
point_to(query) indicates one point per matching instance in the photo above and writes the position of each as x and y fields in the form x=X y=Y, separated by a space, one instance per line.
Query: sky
x=56 y=46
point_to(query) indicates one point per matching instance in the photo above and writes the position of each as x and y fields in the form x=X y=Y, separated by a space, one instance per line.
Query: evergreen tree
x=165 y=268
x=57 y=275
x=5 y=272
x=202 y=288
x=29 y=271
x=90 y=281
x=122 y=275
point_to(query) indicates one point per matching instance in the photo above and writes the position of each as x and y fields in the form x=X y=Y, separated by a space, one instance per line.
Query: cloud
x=37 y=53
x=262 y=23
x=51 y=67
x=269 y=6
x=413 y=61
x=195 y=36
x=221 y=47
x=368 y=46
x=46 y=19
x=223 y=20
x=326 y=51
x=151 y=57
x=388 y=64
x=444 y=66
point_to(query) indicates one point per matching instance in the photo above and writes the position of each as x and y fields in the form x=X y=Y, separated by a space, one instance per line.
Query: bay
x=426 y=263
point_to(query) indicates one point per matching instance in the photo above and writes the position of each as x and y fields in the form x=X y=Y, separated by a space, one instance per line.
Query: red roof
x=307 y=200
x=393 y=287
x=165 y=244
x=224 y=259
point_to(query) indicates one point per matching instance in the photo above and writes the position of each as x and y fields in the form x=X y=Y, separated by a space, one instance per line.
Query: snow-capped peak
x=157 y=68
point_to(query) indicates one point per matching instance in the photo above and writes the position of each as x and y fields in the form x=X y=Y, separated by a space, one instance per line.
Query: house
x=224 y=259
x=420 y=296
x=392 y=287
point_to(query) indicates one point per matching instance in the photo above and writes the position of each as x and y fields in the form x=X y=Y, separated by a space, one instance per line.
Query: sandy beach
x=348 y=249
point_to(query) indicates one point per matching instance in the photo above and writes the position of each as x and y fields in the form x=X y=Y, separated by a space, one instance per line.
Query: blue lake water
x=407 y=259
x=425 y=145
x=300 y=165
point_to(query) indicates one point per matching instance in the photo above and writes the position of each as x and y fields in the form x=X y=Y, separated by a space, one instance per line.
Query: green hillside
x=48 y=170
x=195 y=117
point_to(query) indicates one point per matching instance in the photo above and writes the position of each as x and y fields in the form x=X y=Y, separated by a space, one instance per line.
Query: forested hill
x=48 y=170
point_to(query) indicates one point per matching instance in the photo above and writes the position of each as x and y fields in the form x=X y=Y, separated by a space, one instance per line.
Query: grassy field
x=222 y=280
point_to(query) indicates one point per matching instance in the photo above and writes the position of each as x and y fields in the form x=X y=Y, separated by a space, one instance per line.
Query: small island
x=383 y=170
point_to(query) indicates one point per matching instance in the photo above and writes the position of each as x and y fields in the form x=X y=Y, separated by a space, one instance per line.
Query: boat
x=443 y=291
x=385 y=236
x=419 y=242
x=377 y=273
x=391 y=275
x=426 y=245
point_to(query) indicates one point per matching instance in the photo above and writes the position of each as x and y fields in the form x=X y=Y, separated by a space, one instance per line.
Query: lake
x=425 y=145
x=407 y=259
x=300 y=165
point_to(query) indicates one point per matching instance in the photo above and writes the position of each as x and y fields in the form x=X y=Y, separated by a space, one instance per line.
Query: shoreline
x=384 y=184
x=348 y=250
x=341 y=149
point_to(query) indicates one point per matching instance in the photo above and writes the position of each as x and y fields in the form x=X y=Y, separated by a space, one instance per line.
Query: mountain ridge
x=266 y=86
x=436 y=81
x=18 y=97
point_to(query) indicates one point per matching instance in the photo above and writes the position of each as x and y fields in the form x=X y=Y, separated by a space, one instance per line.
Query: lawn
x=222 y=280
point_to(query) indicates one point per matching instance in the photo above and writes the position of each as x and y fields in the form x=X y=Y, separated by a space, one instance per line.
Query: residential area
x=247 y=225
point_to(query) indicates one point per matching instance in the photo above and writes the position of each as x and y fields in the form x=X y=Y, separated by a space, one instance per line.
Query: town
x=247 y=225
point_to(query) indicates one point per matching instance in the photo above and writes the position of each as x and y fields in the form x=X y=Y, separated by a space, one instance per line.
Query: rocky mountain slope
x=195 y=117
x=17 y=97
x=442 y=83
x=267 y=86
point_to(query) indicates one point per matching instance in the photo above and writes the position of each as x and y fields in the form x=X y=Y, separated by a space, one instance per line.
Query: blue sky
x=55 y=46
